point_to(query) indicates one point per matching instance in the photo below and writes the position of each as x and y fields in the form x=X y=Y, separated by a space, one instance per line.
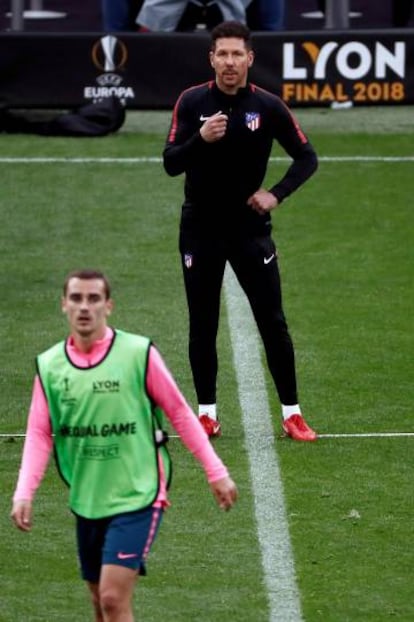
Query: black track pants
x=254 y=262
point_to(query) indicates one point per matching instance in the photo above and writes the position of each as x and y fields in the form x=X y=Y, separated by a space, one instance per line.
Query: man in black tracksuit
x=221 y=137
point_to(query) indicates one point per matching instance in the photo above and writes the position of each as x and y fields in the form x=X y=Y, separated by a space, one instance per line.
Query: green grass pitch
x=346 y=257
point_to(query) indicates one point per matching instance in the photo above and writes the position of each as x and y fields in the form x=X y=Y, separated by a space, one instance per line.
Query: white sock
x=208 y=409
x=288 y=411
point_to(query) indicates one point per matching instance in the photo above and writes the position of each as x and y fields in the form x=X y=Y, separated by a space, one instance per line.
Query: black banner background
x=148 y=71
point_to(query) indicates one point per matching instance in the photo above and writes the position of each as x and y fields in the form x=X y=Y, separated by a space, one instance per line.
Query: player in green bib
x=107 y=432
x=99 y=399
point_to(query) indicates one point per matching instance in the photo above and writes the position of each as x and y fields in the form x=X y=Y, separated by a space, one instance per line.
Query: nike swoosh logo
x=267 y=260
x=127 y=555
x=204 y=117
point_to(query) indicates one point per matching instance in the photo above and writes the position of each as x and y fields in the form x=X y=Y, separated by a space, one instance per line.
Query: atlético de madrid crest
x=252 y=120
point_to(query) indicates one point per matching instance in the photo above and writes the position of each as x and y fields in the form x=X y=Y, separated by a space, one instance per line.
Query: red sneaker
x=211 y=426
x=297 y=428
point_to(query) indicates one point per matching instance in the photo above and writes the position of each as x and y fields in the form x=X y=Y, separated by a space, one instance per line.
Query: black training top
x=221 y=176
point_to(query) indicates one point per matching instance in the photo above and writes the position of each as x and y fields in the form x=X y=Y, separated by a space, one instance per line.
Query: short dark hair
x=87 y=274
x=231 y=29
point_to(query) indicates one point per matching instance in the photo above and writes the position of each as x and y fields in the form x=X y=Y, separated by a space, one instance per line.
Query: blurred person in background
x=266 y=15
x=165 y=15
x=119 y=15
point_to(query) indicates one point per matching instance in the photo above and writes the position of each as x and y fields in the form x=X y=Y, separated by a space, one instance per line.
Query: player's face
x=231 y=61
x=86 y=307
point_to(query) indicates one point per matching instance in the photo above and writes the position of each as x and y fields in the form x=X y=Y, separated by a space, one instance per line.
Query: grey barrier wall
x=148 y=72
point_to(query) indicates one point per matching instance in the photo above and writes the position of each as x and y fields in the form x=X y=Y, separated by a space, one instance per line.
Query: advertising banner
x=359 y=67
x=148 y=71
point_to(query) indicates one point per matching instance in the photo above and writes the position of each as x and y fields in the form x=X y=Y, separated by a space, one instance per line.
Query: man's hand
x=262 y=201
x=214 y=127
x=21 y=515
x=225 y=492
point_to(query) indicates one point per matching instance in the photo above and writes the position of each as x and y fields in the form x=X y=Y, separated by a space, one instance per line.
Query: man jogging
x=221 y=137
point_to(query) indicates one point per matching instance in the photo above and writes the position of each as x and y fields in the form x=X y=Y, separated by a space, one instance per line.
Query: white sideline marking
x=367 y=435
x=157 y=160
x=350 y=435
x=272 y=525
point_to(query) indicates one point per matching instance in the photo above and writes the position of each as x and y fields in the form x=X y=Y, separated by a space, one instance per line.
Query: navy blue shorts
x=123 y=540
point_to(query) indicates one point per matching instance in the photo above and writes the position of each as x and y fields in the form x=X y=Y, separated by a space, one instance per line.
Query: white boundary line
x=158 y=160
x=320 y=436
x=266 y=483
x=368 y=435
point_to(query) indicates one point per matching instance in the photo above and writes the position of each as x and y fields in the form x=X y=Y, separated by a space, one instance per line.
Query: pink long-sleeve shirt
x=161 y=387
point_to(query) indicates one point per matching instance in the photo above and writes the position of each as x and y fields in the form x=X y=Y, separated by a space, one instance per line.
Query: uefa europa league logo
x=109 y=55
